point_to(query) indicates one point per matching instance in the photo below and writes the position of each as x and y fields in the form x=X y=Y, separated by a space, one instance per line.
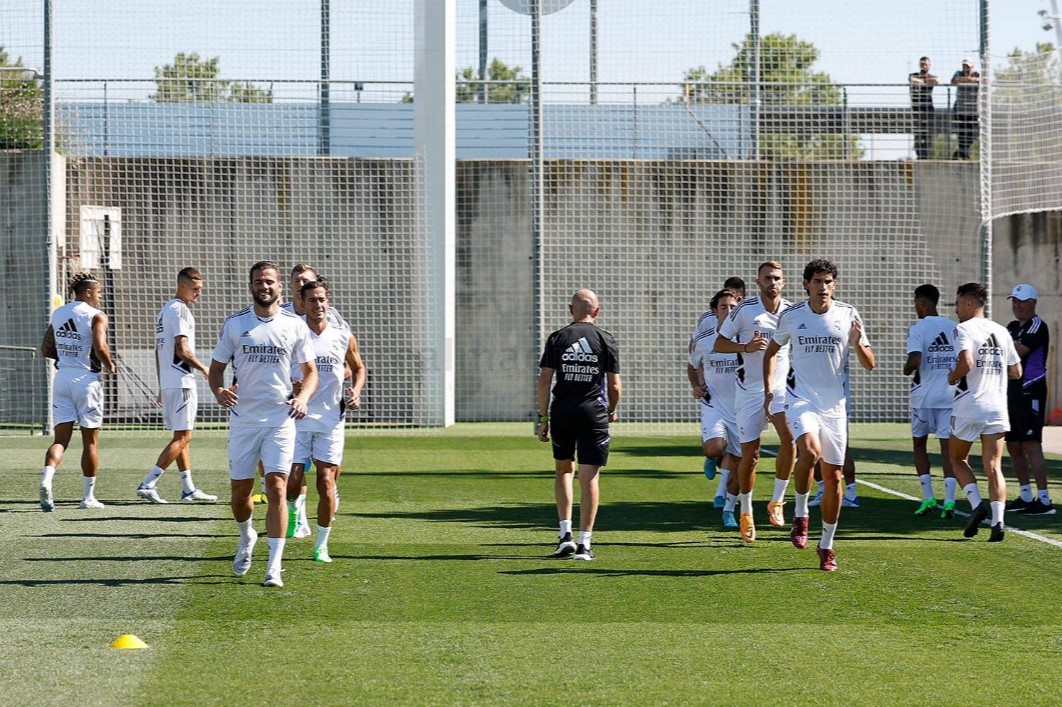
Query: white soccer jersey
x=334 y=318
x=175 y=319
x=719 y=370
x=933 y=338
x=72 y=326
x=748 y=319
x=819 y=350
x=705 y=322
x=325 y=411
x=262 y=351
x=982 y=393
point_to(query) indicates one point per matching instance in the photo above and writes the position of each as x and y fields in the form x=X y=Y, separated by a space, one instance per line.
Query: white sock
x=152 y=477
x=565 y=527
x=828 y=529
x=731 y=499
x=997 y=511
x=322 y=536
x=746 y=502
x=300 y=508
x=720 y=488
x=46 y=476
x=927 y=486
x=950 y=484
x=584 y=538
x=187 y=485
x=972 y=495
x=850 y=492
x=90 y=486
x=1026 y=492
x=1044 y=497
x=245 y=530
x=801 y=504
x=276 y=550
x=822 y=486
x=780 y=485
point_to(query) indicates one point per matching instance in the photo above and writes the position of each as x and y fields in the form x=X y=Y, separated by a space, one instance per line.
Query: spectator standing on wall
x=922 y=83
x=964 y=116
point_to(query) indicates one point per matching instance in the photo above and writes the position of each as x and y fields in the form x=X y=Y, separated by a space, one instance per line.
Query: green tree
x=787 y=78
x=21 y=107
x=507 y=84
x=190 y=79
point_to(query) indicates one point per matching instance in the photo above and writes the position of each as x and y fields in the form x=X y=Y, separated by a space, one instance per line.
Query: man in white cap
x=1026 y=402
x=965 y=111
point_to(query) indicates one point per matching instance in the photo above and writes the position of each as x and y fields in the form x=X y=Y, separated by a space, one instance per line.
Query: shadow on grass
x=133 y=536
x=605 y=572
x=139 y=519
x=123 y=582
x=137 y=558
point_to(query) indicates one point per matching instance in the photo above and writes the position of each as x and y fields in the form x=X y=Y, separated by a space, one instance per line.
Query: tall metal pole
x=754 y=78
x=483 y=38
x=985 y=157
x=537 y=177
x=49 y=238
x=593 y=52
x=324 y=138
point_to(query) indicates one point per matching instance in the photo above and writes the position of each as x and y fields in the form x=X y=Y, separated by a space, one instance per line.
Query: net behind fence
x=681 y=143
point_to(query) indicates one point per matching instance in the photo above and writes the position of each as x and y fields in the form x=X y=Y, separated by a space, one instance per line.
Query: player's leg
x=731 y=463
x=90 y=464
x=589 y=499
x=326 y=503
x=809 y=451
x=950 y=482
x=783 y=463
x=243 y=451
x=992 y=462
x=277 y=455
x=920 y=445
x=959 y=450
x=564 y=473
x=1034 y=452
x=848 y=472
x=62 y=431
x=296 y=482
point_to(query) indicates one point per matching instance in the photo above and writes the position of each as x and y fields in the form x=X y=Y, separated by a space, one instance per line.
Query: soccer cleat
x=150 y=493
x=799 y=533
x=774 y=514
x=565 y=547
x=1018 y=505
x=320 y=554
x=815 y=500
x=90 y=502
x=293 y=522
x=973 y=525
x=747 y=528
x=197 y=495
x=849 y=502
x=47 y=503
x=273 y=580
x=827 y=560
x=928 y=505
x=709 y=468
x=302 y=531
x=997 y=533
x=259 y=498
x=1039 y=508
x=241 y=563
x=583 y=553
x=949 y=510
x=719 y=502
x=728 y=520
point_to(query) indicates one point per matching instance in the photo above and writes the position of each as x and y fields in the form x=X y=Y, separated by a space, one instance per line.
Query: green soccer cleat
x=930 y=504
x=949 y=510
x=320 y=554
x=293 y=522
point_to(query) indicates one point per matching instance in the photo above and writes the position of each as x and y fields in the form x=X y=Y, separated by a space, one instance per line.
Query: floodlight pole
x=593 y=52
x=754 y=79
x=324 y=137
x=49 y=222
x=483 y=47
x=537 y=178
x=984 y=98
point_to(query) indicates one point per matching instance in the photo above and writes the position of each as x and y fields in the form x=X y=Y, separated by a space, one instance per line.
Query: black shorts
x=584 y=429
x=1026 y=413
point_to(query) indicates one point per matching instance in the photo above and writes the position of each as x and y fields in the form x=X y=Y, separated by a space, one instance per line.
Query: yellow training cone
x=128 y=641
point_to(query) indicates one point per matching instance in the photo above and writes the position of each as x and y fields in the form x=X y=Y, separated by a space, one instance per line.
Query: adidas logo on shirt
x=245 y=333
x=580 y=351
x=991 y=347
x=68 y=331
x=802 y=326
x=940 y=343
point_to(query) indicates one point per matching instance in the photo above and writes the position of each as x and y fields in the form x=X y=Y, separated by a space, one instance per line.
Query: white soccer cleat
x=90 y=503
x=47 y=503
x=302 y=531
x=197 y=495
x=320 y=554
x=150 y=494
x=241 y=563
x=273 y=580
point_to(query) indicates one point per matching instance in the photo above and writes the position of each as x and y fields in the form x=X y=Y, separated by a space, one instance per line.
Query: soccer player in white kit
x=747 y=332
x=175 y=366
x=319 y=435
x=821 y=332
x=262 y=342
x=930 y=357
x=986 y=358
x=718 y=372
x=76 y=339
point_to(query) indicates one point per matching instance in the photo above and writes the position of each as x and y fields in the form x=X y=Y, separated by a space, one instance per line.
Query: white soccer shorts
x=274 y=446
x=831 y=430
x=714 y=425
x=971 y=430
x=324 y=447
x=179 y=408
x=751 y=419
x=931 y=421
x=77 y=396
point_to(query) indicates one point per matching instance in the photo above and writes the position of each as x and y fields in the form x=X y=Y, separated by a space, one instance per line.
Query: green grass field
x=443 y=591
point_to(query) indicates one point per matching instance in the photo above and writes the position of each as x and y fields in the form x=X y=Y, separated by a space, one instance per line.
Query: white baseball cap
x=967 y=62
x=1024 y=292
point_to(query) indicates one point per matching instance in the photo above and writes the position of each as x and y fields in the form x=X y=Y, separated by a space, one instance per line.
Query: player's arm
x=768 y=371
x=963 y=365
x=615 y=391
x=185 y=353
x=862 y=347
x=545 y=378
x=725 y=345
x=309 y=385
x=693 y=373
x=1014 y=371
x=226 y=397
x=914 y=360
x=48 y=349
x=99 y=342
x=357 y=373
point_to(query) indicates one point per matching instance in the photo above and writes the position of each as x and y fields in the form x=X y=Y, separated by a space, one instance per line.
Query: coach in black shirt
x=586 y=362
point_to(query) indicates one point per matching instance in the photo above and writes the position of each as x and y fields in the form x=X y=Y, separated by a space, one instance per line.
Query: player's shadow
x=120 y=582
x=132 y=536
x=137 y=558
x=140 y=519
x=571 y=568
